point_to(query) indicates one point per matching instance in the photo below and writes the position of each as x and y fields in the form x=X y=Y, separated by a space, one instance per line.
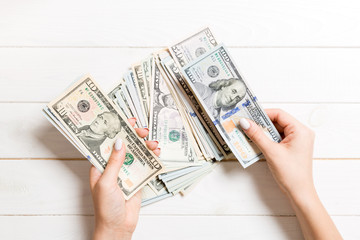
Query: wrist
x=102 y=232
x=303 y=196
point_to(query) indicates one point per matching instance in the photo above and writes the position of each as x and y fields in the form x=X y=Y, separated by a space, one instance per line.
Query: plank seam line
x=226 y=160
x=174 y=215
x=146 y=47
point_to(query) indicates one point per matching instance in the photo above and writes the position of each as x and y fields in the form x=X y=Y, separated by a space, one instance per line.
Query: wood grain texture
x=170 y=227
x=28 y=134
x=158 y=23
x=299 y=55
x=37 y=187
x=275 y=75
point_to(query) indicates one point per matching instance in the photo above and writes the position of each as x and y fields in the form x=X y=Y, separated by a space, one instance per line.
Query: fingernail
x=133 y=118
x=147 y=129
x=118 y=144
x=157 y=142
x=244 y=123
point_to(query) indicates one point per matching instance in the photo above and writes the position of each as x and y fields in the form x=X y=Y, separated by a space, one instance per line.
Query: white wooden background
x=299 y=55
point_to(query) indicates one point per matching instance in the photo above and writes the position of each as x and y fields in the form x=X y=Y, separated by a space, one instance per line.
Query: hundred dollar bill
x=193 y=47
x=196 y=106
x=166 y=124
x=93 y=121
x=226 y=98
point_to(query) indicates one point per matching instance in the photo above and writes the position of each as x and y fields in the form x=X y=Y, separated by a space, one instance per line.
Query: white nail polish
x=118 y=144
x=244 y=123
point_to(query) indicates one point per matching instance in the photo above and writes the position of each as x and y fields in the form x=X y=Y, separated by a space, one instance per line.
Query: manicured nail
x=133 y=118
x=157 y=142
x=147 y=129
x=118 y=144
x=244 y=123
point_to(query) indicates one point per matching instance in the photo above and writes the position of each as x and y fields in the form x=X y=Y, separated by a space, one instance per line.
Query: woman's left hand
x=116 y=218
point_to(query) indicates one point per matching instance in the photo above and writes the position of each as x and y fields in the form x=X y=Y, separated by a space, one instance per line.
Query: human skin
x=116 y=218
x=230 y=95
x=290 y=162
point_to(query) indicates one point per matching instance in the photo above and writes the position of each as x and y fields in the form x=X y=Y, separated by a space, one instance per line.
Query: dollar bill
x=125 y=96
x=146 y=65
x=94 y=123
x=193 y=138
x=191 y=96
x=56 y=123
x=178 y=184
x=166 y=124
x=141 y=87
x=226 y=98
x=197 y=107
x=133 y=97
x=177 y=173
x=119 y=99
x=193 y=47
x=146 y=202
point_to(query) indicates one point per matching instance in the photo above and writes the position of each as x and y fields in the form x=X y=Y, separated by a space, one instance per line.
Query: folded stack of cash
x=191 y=96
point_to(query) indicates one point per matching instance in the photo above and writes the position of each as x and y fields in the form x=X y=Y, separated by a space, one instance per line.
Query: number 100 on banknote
x=227 y=98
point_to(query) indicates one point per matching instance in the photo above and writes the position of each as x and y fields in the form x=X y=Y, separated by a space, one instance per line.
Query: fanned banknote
x=191 y=96
x=196 y=110
x=193 y=47
x=134 y=98
x=146 y=67
x=197 y=132
x=141 y=87
x=166 y=124
x=226 y=97
x=119 y=99
x=94 y=123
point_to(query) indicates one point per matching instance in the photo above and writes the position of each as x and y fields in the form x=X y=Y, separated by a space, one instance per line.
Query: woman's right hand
x=290 y=161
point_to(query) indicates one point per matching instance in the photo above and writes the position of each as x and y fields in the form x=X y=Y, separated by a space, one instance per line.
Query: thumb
x=115 y=162
x=257 y=135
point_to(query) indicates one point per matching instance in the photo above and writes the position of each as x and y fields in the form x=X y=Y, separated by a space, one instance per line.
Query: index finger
x=115 y=162
x=283 y=120
x=281 y=117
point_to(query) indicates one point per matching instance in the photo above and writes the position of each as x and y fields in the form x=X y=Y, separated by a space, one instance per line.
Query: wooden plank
x=38 y=187
x=276 y=75
x=181 y=227
x=143 y=23
x=29 y=135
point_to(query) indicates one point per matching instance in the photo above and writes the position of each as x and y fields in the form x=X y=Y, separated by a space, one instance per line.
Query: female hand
x=290 y=161
x=116 y=218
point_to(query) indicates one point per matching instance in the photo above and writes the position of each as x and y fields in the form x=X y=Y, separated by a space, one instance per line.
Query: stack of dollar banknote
x=191 y=96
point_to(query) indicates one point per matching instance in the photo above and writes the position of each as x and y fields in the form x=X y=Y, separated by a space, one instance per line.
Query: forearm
x=314 y=220
x=101 y=233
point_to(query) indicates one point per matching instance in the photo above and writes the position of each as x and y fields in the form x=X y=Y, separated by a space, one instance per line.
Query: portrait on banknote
x=222 y=94
x=93 y=123
x=164 y=100
x=165 y=109
x=105 y=125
